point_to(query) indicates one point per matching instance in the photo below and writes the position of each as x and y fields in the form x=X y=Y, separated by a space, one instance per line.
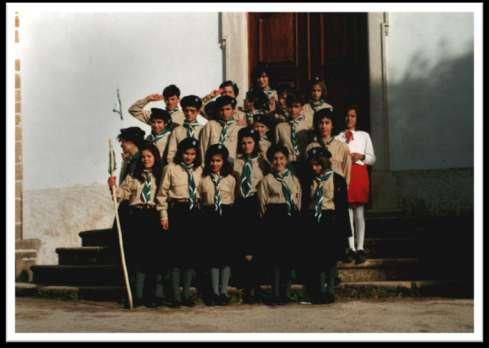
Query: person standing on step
x=327 y=224
x=177 y=203
x=224 y=131
x=279 y=196
x=250 y=167
x=230 y=89
x=217 y=193
x=143 y=232
x=263 y=126
x=362 y=155
x=191 y=127
x=317 y=94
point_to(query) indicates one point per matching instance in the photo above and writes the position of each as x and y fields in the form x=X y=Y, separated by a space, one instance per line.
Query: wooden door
x=299 y=46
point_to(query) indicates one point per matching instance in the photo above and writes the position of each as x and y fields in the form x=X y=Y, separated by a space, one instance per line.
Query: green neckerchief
x=319 y=194
x=216 y=179
x=192 y=188
x=146 y=191
x=285 y=190
x=225 y=126
x=155 y=138
x=171 y=111
x=190 y=126
x=293 y=133
x=246 y=176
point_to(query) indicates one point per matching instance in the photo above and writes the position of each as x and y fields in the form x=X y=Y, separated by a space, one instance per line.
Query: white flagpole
x=119 y=230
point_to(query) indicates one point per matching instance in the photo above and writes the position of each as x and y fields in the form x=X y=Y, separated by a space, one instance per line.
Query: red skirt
x=358 y=189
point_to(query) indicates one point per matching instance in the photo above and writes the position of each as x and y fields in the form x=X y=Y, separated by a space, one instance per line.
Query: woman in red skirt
x=362 y=155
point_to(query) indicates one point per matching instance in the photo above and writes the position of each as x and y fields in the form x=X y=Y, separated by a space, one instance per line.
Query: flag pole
x=112 y=168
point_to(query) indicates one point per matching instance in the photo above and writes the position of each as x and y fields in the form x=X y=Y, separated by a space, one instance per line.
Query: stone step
x=347 y=290
x=88 y=256
x=24 y=260
x=103 y=237
x=371 y=270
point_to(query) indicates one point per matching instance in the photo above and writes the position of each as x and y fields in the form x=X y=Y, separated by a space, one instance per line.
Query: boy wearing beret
x=230 y=89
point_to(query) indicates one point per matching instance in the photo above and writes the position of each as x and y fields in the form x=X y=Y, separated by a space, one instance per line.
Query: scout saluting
x=216 y=191
x=143 y=230
x=327 y=225
x=191 y=127
x=177 y=201
x=230 y=89
x=362 y=155
x=250 y=168
x=279 y=194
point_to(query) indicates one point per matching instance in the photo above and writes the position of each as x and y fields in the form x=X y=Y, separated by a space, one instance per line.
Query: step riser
x=105 y=258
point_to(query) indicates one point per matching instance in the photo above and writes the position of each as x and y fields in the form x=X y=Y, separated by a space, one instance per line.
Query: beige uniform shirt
x=283 y=137
x=130 y=190
x=177 y=135
x=137 y=110
x=328 y=193
x=340 y=156
x=311 y=108
x=264 y=146
x=227 y=187
x=174 y=186
x=210 y=135
x=259 y=168
x=161 y=143
x=270 y=191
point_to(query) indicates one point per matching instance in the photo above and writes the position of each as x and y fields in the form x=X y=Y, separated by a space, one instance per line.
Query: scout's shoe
x=249 y=297
x=360 y=257
x=223 y=300
x=328 y=298
x=350 y=256
x=174 y=304
x=188 y=302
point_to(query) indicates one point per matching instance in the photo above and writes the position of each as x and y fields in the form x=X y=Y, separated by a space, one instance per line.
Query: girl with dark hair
x=263 y=82
x=279 y=196
x=249 y=167
x=317 y=94
x=327 y=225
x=177 y=203
x=362 y=155
x=216 y=191
x=142 y=233
x=263 y=126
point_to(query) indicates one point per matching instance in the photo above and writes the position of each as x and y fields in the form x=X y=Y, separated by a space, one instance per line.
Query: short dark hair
x=213 y=150
x=277 y=148
x=232 y=84
x=352 y=107
x=183 y=146
x=191 y=101
x=249 y=132
x=132 y=134
x=170 y=91
x=293 y=98
x=210 y=110
x=323 y=113
x=260 y=70
x=225 y=100
x=283 y=88
x=160 y=114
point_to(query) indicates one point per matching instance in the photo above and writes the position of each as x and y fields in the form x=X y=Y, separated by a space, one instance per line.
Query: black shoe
x=350 y=256
x=151 y=304
x=188 y=302
x=360 y=257
x=284 y=300
x=274 y=301
x=174 y=304
x=249 y=299
x=223 y=300
x=329 y=298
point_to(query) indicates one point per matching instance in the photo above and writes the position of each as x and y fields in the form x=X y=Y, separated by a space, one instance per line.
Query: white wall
x=72 y=65
x=430 y=74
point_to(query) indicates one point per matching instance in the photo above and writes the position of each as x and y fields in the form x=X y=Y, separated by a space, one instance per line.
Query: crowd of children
x=253 y=194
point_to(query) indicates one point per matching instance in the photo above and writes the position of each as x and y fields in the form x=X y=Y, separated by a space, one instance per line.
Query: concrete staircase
x=401 y=262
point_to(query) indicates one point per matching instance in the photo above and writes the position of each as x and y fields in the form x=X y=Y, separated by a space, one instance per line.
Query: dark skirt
x=280 y=234
x=217 y=242
x=247 y=226
x=181 y=239
x=325 y=243
x=143 y=239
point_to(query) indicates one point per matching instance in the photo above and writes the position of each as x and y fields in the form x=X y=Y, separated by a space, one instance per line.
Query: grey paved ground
x=392 y=315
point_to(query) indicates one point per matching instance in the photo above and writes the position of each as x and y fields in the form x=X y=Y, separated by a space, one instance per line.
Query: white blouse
x=360 y=143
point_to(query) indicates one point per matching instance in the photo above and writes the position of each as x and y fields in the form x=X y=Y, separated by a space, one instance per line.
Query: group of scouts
x=264 y=190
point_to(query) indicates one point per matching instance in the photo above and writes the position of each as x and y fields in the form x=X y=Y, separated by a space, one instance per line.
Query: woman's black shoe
x=174 y=304
x=350 y=256
x=151 y=304
x=360 y=257
x=223 y=300
x=188 y=302
x=329 y=298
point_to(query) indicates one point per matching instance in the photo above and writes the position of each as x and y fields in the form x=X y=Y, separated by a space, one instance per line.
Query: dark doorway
x=299 y=46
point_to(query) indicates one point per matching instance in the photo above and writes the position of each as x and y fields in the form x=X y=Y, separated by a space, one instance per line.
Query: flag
x=118 y=105
x=112 y=162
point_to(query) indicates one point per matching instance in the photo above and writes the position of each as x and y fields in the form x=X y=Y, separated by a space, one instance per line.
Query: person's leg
x=149 y=291
x=175 y=285
x=285 y=283
x=330 y=281
x=214 y=275
x=225 y=274
x=187 y=282
x=351 y=240
x=139 y=285
x=275 y=281
x=360 y=224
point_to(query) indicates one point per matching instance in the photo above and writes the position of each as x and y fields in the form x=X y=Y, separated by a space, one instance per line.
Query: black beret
x=188 y=143
x=162 y=114
x=263 y=119
x=133 y=134
x=277 y=148
x=225 y=100
x=248 y=132
x=192 y=101
x=317 y=152
x=217 y=149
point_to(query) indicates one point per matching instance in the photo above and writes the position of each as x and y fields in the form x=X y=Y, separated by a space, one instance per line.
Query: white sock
x=360 y=224
x=351 y=240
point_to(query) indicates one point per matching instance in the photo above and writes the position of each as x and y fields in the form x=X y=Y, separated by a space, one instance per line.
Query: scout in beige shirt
x=224 y=131
x=139 y=112
x=230 y=89
x=317 y=95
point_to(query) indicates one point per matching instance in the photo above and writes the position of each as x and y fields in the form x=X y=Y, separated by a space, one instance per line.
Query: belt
x=142 y=206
